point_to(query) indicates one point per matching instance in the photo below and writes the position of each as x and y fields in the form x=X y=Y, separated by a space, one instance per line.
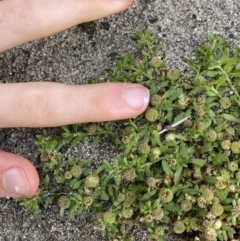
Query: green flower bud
x=156 y=62
x=44 y=157
x=201 y=99
x=128 y=129
x=226 y=145
x=92 y=180
x=156 y=153
x=211 y=136
x=201 y=125
x=155 y=100
x=173 y=74
x=165 y=195
x=217 y=209
x=170 y=137
x=193 y=224
x=109 y=217
x=217 y=224
x=87 y=201
x=130 y=197
x=220 y=136
x=179 y=227
x=64 y=202
x=148 y=218
x=139 y=78
x=210 y=234
x=76 y=171
x=129 y=175
x=186 y=205
x=159 y=231
x=127 y=213
x=59 y=179
x=221 y=183
x=151 y=114
x=121 y=197
x=158 y=214
x=68 y=175
x=235 y=147
x=143 y=149
x=225 y=102
x=225 y=174
x=232 y=166
x=237 y=176
x=183 y=100
x=188 y=123
x=92 y=128
x=200 y=112
x=232 y=188
x=153 y=237
x=125 y=139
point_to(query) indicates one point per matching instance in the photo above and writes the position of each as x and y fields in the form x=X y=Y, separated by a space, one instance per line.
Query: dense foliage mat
x=178 y=167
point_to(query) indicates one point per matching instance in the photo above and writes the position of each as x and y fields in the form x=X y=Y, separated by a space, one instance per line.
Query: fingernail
x=137 y=97
x=15 y=182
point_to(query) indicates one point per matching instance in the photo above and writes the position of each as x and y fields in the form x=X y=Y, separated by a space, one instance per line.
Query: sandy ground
x=83 y=52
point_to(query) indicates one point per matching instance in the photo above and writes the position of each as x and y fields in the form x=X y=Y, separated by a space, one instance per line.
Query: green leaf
x=231 y=118
x=104 y=196
x=224 y=56
x=178 y=175
x=235 y=74
x=197 y=162
x=230 y=63
x=213 y=73
x=148 y=195
x=96 y=141
x=75 y=141
x=166 y=168
x=221 y=80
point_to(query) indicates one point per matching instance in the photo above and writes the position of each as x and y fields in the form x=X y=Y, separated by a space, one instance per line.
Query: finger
x=25 y=20
x=18 y=177
x=45 y=104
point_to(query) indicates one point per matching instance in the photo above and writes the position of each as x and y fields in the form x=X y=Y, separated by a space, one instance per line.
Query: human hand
x=45 y=104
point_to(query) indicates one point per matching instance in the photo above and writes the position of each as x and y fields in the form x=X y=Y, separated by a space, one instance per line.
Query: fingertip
x=18 y=177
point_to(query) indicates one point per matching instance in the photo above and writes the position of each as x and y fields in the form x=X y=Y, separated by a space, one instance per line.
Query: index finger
x=25 y=20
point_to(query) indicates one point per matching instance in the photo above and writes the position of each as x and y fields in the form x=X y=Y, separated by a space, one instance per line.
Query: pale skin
x=45 y=104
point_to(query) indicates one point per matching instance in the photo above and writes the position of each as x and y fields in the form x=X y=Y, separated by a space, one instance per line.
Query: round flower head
x=221 y=183
x=226 y=145
x=151 y=181
x=127 y=213
x=220 y=136
x=129 y=175
x=173 y=74
x=151 y=114
x=225 y=102
x=155 y=100
x=202 y=202
x=158 y=214
x=68 y=175
x=235 y=147
x=143 y=149
x=148 y=218
x=76 y=171
x=130 y=197
x=218 y=224
x=87 y=201
x=121 y=197
x=128 y=129
x=208 y=194
x=156 y=62
x=64 y=202
x=225 y=174
x=211 y=136
x=233 y=166
x=210 y=234
x=179 y=227
x=217 y=209
x=92 y=127
x=165 y=195
x=170 y=137
x=109 y=217
x=139 y=78
x=92 y=180
x=186 y=205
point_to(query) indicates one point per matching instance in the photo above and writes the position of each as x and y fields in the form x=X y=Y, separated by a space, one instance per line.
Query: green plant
x=168 y=176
